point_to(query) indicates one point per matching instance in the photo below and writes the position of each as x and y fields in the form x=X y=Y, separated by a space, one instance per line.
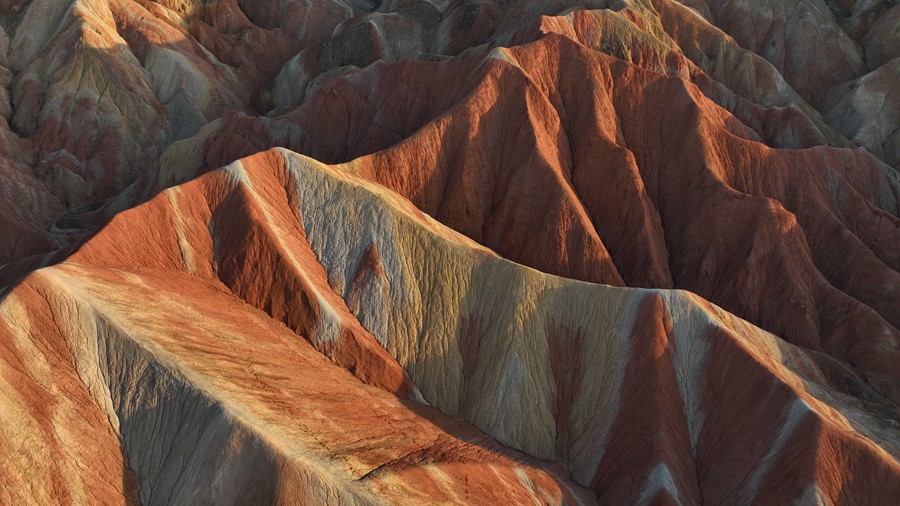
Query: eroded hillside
x=450 y=251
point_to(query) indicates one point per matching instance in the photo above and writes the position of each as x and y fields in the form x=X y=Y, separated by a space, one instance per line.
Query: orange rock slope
x=328 y=252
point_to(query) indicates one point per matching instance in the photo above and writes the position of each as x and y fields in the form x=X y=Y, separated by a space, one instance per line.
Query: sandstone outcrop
x=560 y=369
x=603 y=202
x=419 y=251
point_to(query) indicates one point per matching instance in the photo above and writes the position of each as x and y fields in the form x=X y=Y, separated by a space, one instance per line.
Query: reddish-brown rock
x=800 y=242
x=642 y=395
x=644 y=251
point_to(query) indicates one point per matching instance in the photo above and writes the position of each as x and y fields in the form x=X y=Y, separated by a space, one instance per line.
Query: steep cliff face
x=329 y=251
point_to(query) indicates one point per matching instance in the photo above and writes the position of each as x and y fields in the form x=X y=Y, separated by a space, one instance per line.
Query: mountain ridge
x=614 y=252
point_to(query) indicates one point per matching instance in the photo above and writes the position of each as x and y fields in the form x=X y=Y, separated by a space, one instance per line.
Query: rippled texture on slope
x=560 y=369
x=648 y=143
x=214 y=401
x=639 y=179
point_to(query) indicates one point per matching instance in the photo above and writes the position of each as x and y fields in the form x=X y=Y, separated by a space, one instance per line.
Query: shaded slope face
x=641 y=395
x=174 y=327
x=96 y=91
x=640 y=179
x=213 y=399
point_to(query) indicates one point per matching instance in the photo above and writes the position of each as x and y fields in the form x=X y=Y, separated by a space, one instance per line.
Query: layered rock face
x=329 y=252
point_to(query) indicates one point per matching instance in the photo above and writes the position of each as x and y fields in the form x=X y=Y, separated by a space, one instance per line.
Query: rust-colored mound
x=183 y=393
x=625 y=387
x=198 y=425
x=553 y=252
x=800 y=242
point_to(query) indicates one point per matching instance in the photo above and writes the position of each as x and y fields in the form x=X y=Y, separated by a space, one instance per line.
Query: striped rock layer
x=432 y=251
x=181 y=342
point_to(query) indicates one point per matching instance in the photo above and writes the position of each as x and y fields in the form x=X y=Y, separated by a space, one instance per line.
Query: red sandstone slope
x=645 y=143
x=198 y=425
x=584 y=378
x=638 y=180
